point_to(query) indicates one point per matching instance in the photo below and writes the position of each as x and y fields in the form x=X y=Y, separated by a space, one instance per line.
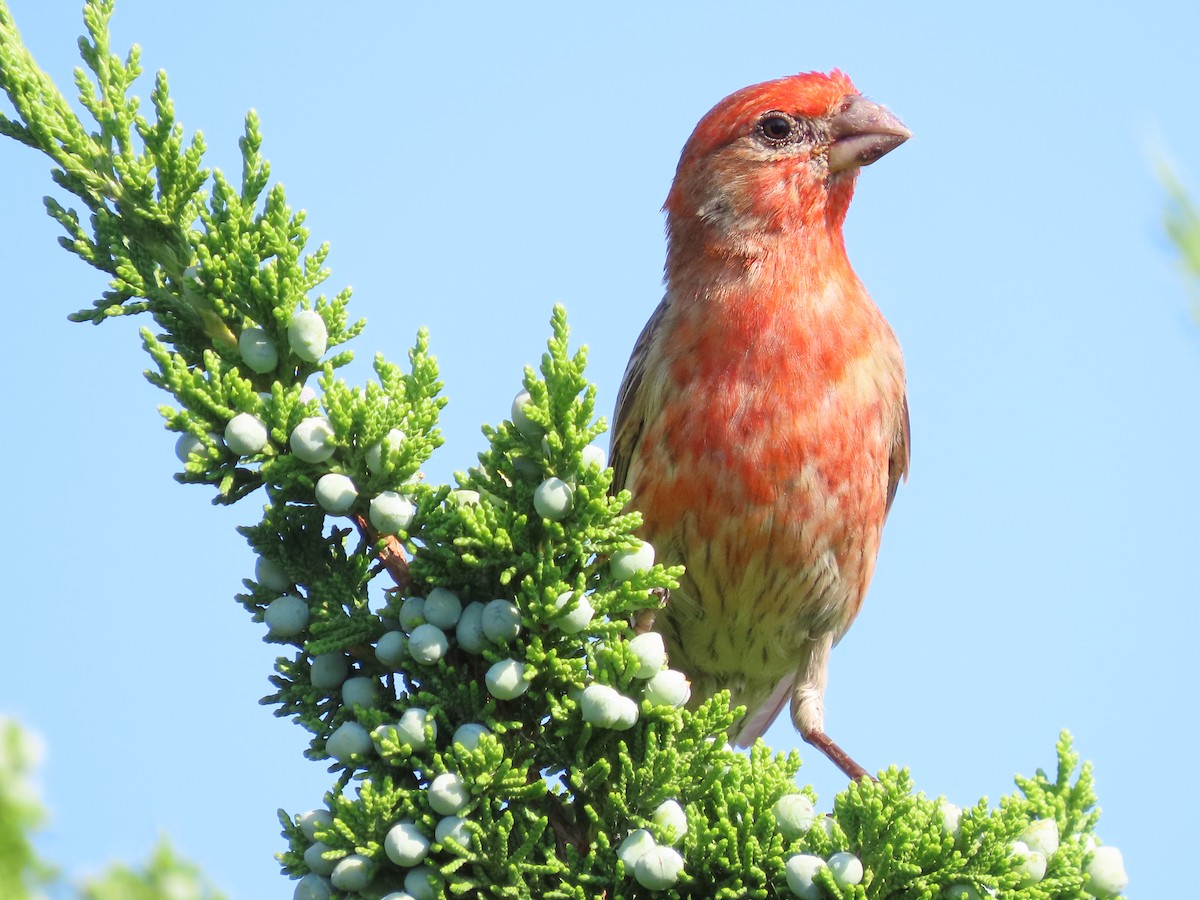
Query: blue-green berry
x=453 y=828
x=286 y=616
x=391 y=649
x=189 y=444
x=245 y=434
x=467 y=736
x=800 y=870
x=1104 y=872
x=313 y=439
x=313 y=821
x=391 y=513
x=847 y=869
x=308 y=335
x=443 y=608
x=632 y=848
x=374 y=458
x=651 y=654
x=1042 y=836
x=1032 y=863
x=448 y=794
x=360 y=691
x=520 y=418
x=348 y=741
x=606 y=707
x=412 y=613
x=336 y=493
x=328 y=671
x=313 y=887
x=427 y=644
x=669 y=687
x=506 y=679
x=469 y=631
x=501 y=621
x=421 y=883
x=594 y=455
x=794 y=815
x=315 y=860
x=624 y=564
x=658 y=868
x=670 y=817
x=406 y=845
x=257 y=350
x=270 y=574
x=353 y=873
x=552 y=499
x=412 y=727
x=579 y=616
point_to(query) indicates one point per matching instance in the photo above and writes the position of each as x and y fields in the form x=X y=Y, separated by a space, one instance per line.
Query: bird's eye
x=777 y=128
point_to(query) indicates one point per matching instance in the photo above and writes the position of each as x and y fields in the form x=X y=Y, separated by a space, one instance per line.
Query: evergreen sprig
x=472 y=661
x=1181 y=221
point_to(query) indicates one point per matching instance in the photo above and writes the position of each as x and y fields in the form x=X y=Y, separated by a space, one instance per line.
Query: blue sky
x=471 y=166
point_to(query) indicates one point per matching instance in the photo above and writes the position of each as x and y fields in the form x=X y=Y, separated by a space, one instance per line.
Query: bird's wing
x=898 y=461
x=629 y=418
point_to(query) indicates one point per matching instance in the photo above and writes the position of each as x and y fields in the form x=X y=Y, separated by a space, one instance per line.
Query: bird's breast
x=765 y=469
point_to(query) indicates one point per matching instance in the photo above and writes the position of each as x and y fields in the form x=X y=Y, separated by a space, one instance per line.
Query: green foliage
x=164 y=877
x=23 y=875
x=20 y=814
x=1182 y=223
x=580 y=736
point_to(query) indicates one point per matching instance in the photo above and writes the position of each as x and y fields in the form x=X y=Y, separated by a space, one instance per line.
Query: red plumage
x=762 y=425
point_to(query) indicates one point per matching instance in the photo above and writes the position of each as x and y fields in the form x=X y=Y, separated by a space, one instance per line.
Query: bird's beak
x=862 y=132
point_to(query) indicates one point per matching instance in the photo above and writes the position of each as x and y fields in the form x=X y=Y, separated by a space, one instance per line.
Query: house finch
x=762 y=424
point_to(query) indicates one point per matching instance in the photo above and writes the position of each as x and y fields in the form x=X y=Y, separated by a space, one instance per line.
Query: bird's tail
x=759 y=716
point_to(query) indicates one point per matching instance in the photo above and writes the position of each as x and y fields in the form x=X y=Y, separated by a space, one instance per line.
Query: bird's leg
x=837 y=755
x=808 y=705
x=643 y=619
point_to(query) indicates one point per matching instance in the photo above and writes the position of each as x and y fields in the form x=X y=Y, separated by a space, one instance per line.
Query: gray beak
x=862 y=132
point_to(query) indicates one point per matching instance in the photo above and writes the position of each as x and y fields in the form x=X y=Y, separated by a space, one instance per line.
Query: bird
x=762 y=423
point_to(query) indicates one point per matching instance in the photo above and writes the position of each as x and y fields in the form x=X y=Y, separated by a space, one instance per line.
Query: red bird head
x=776 y=157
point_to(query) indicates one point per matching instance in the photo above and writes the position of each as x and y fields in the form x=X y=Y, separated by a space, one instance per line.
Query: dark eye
x=777 y=127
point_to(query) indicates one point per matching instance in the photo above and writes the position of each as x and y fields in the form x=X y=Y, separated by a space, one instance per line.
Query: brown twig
x=565 y=831
x=392 y=554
